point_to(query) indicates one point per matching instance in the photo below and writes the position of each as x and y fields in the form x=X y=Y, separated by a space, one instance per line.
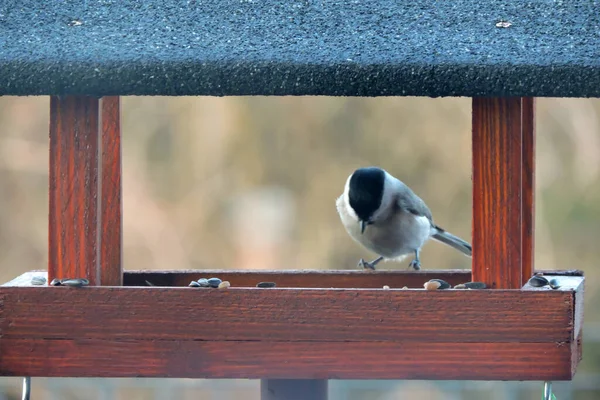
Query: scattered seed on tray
x=460 y=286
x=266 y=285
x=214 y=282
x=194 y=284
x=442 y=284
x=74 y=282
x=538 y=281
x=386 y=287
x=55 y=282
x=554 y=283
x=203 y=282
x=38 y=280
x=475 y=285
x=224 y=285
x=432 y=285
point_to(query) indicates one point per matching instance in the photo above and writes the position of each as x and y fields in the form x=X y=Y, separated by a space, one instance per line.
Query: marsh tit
x=384 y=215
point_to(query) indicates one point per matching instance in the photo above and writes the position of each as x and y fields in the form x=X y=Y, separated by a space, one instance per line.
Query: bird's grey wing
x=409 y=201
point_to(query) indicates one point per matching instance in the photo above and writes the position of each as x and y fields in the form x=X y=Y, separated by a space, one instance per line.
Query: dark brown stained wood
x=332 y=315
x=293 y=389
x=498 y=192
x=301 y=278
x=73 y=213
x=528 y=226
x=85 y=219
x=285 y=360
x=111 y=235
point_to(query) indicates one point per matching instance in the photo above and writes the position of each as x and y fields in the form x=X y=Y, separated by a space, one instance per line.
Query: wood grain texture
x=528 y=183
x=497 y=192
x=293 y=389
x=73 y=193
x=111 y=233
x=332 y=315
x=85 y=218
x=300 y=278
x=285 y=360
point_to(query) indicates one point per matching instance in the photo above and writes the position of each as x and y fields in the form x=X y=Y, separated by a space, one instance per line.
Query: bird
x=384 y=215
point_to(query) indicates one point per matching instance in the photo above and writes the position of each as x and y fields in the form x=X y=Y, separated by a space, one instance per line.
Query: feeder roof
x=301 y=47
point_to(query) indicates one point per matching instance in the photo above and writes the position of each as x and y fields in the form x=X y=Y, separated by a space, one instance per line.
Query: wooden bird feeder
x=316 y=325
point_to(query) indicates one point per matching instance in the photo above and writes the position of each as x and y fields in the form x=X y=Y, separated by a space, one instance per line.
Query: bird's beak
x=363 y=225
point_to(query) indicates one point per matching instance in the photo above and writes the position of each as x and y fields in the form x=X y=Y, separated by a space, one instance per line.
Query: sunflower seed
x=554 y=283
x=538 y=281
x=432 y=285
x=475 y=285
x=203 y=282
x=266 y=285
x=194 y=284
x=443 y=283
x=224 y=285
x=75 y=282
x=214 y=282
x=38 y=280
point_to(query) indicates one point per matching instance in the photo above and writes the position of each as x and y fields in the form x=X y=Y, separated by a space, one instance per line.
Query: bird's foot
x=366 y=265
x=415 y=264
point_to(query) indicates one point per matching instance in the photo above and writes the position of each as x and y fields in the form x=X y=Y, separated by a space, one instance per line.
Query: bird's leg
x=369 y=265
x=416 y=263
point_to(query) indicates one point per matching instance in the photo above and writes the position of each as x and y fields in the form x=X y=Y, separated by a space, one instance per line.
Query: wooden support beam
x=292 y=333
x=111 y=217
x=528 y=183
x=502 y=191
x=85 y=190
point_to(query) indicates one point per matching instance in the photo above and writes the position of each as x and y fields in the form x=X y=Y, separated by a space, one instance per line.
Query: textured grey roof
x=300 y=47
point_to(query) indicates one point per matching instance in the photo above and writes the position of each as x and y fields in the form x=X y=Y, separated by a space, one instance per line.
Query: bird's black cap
x=365 y=191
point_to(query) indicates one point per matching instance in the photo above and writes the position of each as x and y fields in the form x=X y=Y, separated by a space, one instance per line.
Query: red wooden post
x=85 y=190
x=111 y=232
x=503 y=167
x=528 y=230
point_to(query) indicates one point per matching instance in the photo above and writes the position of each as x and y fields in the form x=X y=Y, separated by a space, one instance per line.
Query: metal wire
x=548 y=391
x=26 y=388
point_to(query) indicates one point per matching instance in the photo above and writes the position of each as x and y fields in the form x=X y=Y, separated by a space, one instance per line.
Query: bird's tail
x=453 y=241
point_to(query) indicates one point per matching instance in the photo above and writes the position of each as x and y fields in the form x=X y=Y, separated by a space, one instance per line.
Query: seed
x=386 y=287
x=149 y=283
x=405 y=287
x=460 y=286
x=203 y=282
x=538 y=281
x=443 y=283
x=38 y=280
x=224 y=285
x=475 y=285
x=554 y=283
x=75 y=282
x=266 y=285
x=194 y=284
x=432 y=285
x=55 y=282
x=214 y=282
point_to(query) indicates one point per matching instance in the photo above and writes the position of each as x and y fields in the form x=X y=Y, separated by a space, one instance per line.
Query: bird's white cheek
x=349 y=209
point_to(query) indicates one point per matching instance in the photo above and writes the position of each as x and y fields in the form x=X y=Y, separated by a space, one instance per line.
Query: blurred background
x=251 y=183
